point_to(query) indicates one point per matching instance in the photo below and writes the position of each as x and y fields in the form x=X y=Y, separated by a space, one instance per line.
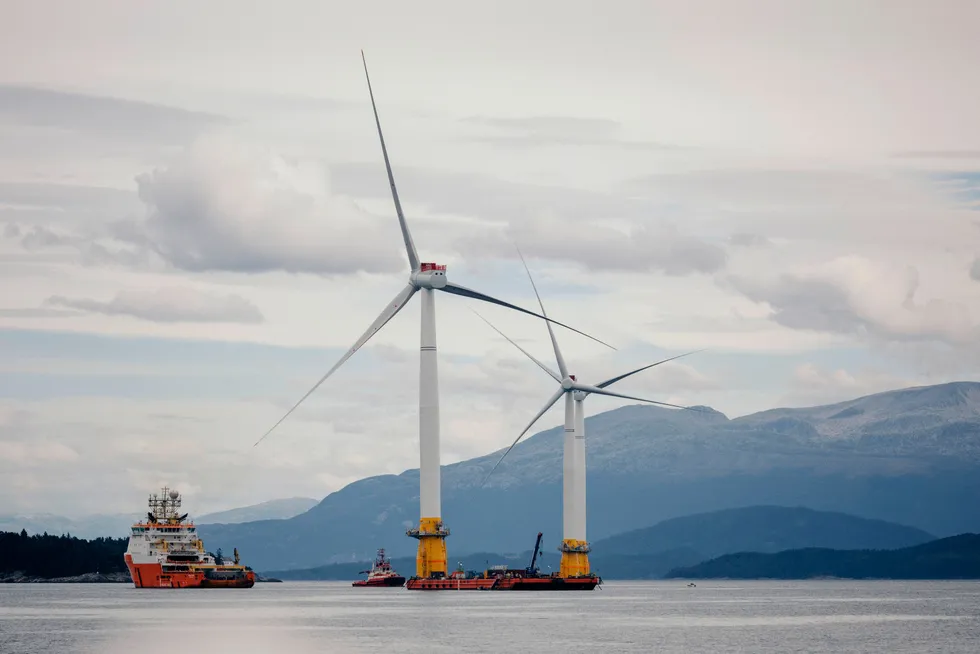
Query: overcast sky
x=195 y=223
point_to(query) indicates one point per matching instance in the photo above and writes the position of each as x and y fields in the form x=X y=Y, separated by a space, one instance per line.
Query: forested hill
x=59 y=556
x=956 y=557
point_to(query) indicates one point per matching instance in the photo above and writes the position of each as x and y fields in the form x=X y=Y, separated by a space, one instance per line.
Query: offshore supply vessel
x=501 y=577
x=381 y=574
x=166 y=552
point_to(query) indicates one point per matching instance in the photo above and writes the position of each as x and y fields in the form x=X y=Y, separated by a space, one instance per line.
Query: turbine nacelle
x=429 y=275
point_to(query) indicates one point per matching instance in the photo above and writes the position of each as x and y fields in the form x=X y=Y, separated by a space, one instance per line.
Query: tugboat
x=166 y=552
x=380 y=574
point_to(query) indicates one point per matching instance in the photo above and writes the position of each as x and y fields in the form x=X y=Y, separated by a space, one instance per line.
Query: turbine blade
x=633 y=372
x=551 y=403
x=526 y=353
x=413 y=255
x=601 y=391
x=389 y=312
x=456 y=289
x=554 y=341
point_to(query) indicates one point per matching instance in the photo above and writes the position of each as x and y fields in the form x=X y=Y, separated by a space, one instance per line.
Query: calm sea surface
x=817 y=616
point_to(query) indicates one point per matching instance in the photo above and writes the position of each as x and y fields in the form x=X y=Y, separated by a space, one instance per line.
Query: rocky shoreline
x=87 y=578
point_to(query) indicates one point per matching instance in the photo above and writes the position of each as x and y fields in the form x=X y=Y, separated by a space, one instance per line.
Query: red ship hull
x=383 y=582
x=514 y=583
x=152 y=575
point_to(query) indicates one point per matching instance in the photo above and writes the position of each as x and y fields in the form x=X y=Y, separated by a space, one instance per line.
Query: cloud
x=566 y=125
x=673 y=377
x=812 y=385
x=535 y=131
x=484 y=196
x=92 y=245
x=975 y=270
x=40 y=237
x=177 y=304
x=748 y=240
x=852 y=206
x=938 y=154
x=102 y=116
x=646 y=247
x=223 y=205
x=857 y=296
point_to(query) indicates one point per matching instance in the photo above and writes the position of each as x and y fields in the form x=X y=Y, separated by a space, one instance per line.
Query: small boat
x=381 y=574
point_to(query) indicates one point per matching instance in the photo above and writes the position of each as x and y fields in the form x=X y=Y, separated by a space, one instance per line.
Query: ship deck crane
x=531 y=569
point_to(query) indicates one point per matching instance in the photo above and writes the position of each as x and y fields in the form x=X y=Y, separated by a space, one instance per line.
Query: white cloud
x=225 y=205
x=745 y=239
x=595 y=245
x=175 y=304
x=857 y=296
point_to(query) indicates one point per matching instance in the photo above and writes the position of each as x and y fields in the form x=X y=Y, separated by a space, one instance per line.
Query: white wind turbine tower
x=574 y=548
x=427 y=278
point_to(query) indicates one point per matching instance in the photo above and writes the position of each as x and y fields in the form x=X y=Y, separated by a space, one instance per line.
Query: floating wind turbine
x=427 y=278
x=574 y=548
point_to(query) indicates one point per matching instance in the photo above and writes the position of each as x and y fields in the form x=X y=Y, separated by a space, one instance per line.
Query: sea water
x=662 y=616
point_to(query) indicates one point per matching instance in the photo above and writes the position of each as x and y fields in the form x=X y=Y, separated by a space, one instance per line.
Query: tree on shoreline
x=48 y=556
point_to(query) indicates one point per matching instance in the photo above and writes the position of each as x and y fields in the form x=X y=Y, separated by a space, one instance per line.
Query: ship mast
x=163 y=507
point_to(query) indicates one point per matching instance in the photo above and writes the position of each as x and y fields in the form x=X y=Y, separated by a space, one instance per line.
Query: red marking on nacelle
x=572 y=377
x=426 y=267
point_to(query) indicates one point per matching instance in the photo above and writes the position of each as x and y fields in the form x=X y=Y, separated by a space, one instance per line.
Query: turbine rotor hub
x=430 y=275
x=568 y=383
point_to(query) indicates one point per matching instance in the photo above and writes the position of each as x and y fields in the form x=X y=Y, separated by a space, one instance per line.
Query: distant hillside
x=118 y=524
x=59 y=556
x=956 y=557
x=86 y=526
x=652 y=552
x=271 y=510
x=608 y=567
x=761 y=529
x=910 y=456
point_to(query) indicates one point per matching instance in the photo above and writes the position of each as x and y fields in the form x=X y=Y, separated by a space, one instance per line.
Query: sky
x=195 y=223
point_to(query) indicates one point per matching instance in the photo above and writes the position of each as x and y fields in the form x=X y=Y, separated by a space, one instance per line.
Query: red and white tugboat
x=381 y=574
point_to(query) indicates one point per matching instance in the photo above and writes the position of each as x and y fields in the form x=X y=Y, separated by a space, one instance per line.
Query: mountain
x=762 y=529
x=956 y=557
x=910 y=456
x=284 y=508
x=651 y=552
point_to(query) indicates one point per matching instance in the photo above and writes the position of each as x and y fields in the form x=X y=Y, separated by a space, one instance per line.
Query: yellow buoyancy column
x=574 y=558
x=431 y=558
